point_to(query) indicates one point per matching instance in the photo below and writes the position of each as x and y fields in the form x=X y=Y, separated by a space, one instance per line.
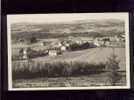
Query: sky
x=63 y=17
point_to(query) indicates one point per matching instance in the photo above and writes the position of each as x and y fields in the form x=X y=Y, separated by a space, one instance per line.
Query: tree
x=112 y=66
x=33 y=40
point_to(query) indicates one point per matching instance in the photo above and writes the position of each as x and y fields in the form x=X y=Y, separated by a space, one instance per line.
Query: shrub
x=33 y=40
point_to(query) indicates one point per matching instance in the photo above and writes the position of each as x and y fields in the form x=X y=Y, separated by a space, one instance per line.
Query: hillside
x=86 y=28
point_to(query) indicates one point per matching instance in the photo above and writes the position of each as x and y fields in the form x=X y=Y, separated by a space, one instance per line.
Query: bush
x=31 y=69
x=33 y=40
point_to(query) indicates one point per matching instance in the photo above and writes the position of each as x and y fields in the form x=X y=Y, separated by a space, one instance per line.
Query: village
x=67 y=44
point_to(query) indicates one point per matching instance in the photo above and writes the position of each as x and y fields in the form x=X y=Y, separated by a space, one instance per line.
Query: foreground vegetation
x=31 y=69
x=66 y=70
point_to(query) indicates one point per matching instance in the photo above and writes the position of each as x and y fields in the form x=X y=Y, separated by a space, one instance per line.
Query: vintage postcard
x=68 y=51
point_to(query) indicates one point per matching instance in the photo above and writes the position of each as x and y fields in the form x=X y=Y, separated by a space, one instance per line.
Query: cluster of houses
x=116 y=41
x=59 y=47
x=54 y=49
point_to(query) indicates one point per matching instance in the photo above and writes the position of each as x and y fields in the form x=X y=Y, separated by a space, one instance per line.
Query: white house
x=52 y=53
x=96 y=42
x=78 y=41
x=63 y=48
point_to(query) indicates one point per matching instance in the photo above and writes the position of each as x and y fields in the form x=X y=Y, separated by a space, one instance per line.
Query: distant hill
x=88 y=28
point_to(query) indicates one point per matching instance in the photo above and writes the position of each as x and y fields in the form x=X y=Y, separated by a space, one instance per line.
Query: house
x=59 y=44
x=96 y=42
x=54 y=52
x=63 y=48
x=67 y=44
x=78 y=42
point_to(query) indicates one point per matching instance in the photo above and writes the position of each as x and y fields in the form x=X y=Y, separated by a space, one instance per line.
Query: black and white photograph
x=68 y=51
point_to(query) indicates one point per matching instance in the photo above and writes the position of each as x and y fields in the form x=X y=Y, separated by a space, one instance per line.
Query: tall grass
x=32 y=69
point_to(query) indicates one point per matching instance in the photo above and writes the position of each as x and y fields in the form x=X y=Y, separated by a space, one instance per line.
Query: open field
x=77 y=81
